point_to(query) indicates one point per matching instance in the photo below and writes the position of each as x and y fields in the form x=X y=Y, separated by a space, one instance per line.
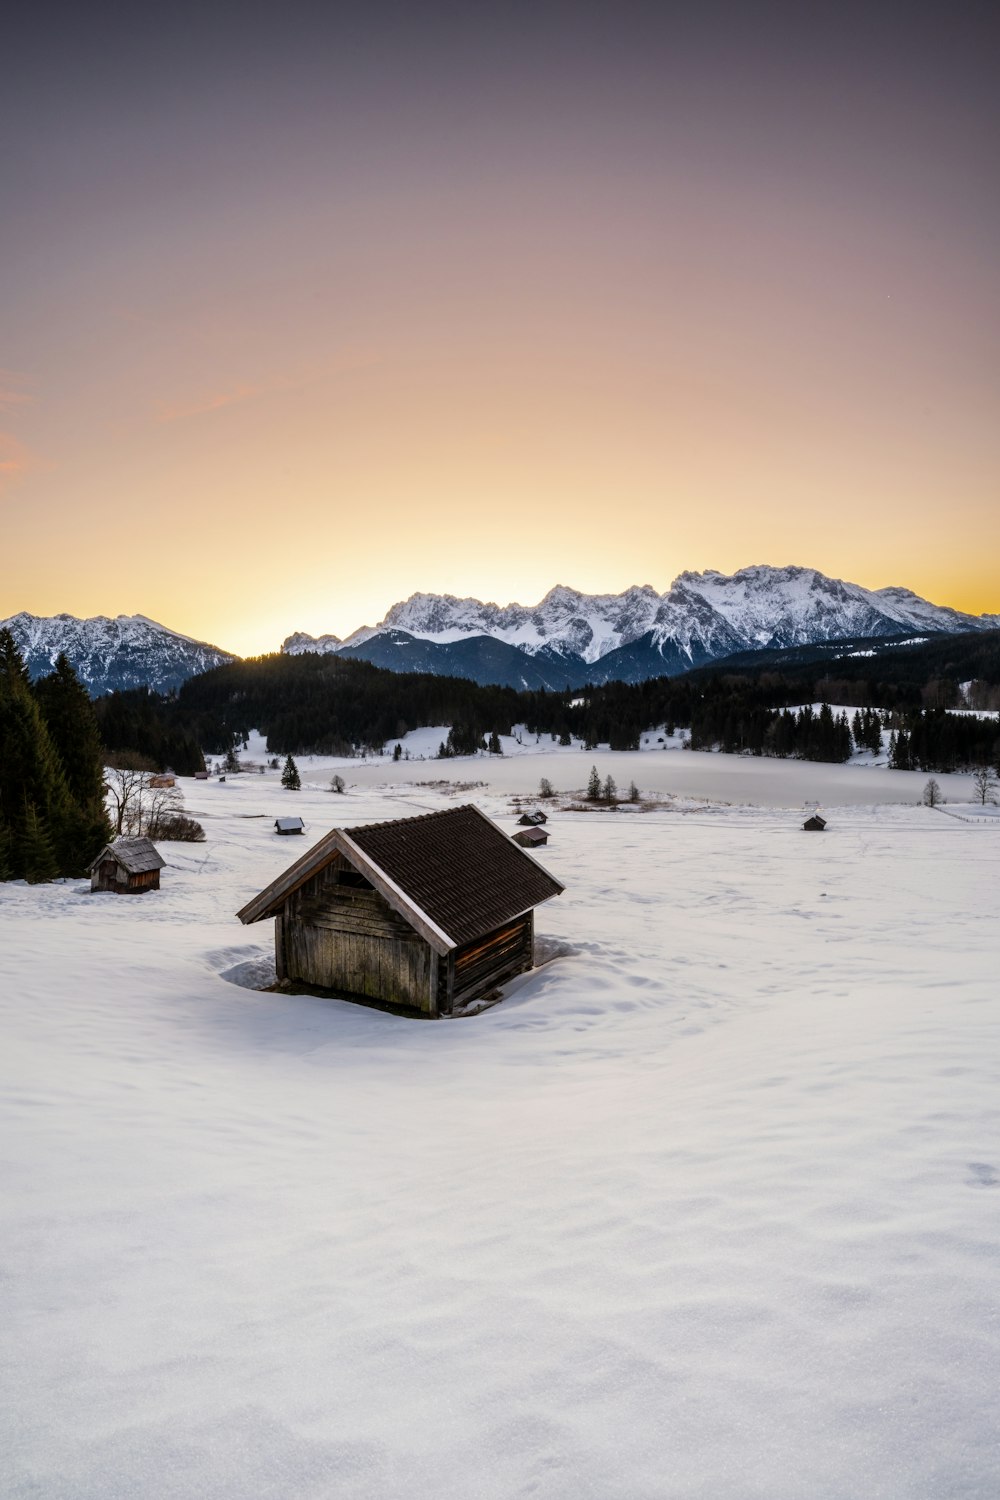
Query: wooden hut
x=531 y=838
x=289 y=825
x=532 y=819
x=424 y=914
x=163 y=778
x=815 y=824
x=127 y=866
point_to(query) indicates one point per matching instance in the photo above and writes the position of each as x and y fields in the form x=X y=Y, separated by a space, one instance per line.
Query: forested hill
x=330 y=705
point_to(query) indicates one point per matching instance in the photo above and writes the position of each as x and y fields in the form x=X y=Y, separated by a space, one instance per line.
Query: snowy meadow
x=708 y=1206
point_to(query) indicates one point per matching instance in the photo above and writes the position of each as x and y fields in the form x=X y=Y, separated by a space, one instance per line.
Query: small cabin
x=532 y=819
x=531 y=838
x=163 y=779
x=127 y=866
x=815 y=824
x=201 y=775
x=289 y=825
x=422 y=914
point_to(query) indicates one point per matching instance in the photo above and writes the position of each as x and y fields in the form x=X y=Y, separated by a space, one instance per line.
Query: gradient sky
x=304 y=308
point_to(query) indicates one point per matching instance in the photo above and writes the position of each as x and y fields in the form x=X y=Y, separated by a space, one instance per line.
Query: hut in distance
x=127 y=866
x=424 y=914
x=531 y=838
x=289 y=825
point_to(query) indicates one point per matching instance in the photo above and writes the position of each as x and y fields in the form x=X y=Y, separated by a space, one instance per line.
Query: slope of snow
x=707 y=1207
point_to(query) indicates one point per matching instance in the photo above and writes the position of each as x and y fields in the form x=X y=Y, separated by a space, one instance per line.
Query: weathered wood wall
x=344 y=936
x=487 y=962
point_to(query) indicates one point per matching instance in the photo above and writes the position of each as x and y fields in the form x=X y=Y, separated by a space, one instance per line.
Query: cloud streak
x=15 y=461
x=179 y=411
x=197 y=406
x=12 y=392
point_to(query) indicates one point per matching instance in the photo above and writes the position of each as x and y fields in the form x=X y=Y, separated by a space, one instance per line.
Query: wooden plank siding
x=345 y=937
x=487 y=962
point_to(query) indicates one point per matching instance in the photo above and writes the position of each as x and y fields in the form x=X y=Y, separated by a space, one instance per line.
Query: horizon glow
x=308 y=317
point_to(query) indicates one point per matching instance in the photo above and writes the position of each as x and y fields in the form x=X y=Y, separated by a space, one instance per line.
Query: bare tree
x=337 y=783
x=985 y=784
x=126 y=786
x=932 y=792
x=545 y=788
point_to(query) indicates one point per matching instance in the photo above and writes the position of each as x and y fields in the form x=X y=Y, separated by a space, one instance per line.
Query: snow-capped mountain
x=128 y=651
x=571 y=638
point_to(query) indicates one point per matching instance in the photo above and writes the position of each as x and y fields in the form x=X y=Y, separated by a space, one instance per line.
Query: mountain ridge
x=566 y=640
x=570 y=638
x=112 y=652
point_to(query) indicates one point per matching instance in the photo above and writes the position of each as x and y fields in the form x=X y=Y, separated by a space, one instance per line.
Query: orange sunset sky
x=309 y=310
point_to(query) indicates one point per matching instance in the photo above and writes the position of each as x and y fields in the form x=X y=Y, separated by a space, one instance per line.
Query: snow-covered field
x=708 y=1207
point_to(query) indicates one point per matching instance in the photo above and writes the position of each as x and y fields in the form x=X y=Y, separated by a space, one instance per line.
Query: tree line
x=52 y=817
x=315 y=704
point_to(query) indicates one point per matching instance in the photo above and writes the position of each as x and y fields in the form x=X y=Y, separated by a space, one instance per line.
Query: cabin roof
x=288 y=823
x=454 y=875
x=527 y=837
x=137 y=856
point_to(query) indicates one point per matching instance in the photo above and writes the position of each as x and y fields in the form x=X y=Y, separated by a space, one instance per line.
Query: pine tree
x=31 y=776
x=594 y=786
x=38 y=858
x=72 y=726
x=6 y=867
x=290 y=778
x=609 y=791
x=633 y=792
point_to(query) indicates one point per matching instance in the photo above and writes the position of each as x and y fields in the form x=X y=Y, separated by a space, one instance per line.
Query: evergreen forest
x=316 y=704
x=52 y=817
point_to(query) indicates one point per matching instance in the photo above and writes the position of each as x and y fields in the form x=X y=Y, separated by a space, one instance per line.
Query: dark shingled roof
x=458 y=867
x=137 y=856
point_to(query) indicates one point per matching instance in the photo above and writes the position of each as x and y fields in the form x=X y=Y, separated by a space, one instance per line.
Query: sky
x=305 y=308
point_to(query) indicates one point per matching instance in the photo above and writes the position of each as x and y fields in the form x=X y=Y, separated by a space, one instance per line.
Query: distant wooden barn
x=531 y=838
x=532 y=819
x=815 y=824
x=201 y=775
x=424 y=914
x=127 y=866
x=163 y=779
x=289 y=825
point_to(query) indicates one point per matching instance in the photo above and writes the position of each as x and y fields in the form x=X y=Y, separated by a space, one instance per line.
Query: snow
x=707 y=1207
x=710 y=612
x=698 y=774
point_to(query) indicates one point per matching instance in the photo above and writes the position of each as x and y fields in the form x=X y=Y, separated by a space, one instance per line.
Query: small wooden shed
x=289 y=825
x=815 y=824
x=423 y=914
x=532 y=819
x=531 y=838
x=127 y=866
x=163 y=778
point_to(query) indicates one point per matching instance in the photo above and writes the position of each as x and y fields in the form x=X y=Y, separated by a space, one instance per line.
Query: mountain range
x=572 y=638
x=107 y=654
x=566 y=640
